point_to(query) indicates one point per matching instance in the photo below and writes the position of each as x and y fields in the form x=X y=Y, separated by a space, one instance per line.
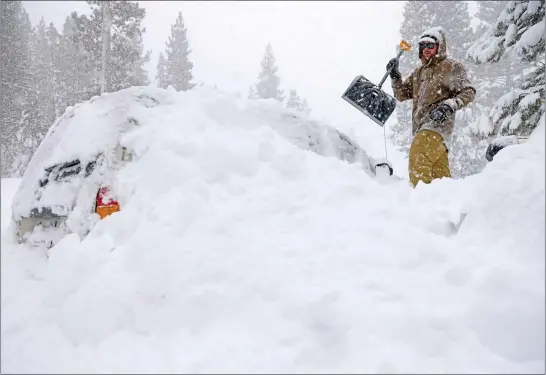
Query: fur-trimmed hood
x=437 y=35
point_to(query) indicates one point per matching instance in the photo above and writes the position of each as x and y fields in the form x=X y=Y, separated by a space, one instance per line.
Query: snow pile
x=91 y=130
x=9 y=186
x=237 y=251
x=507 y=206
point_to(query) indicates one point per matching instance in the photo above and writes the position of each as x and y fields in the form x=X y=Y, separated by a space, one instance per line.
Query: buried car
x=82 y=182
x=71 y=182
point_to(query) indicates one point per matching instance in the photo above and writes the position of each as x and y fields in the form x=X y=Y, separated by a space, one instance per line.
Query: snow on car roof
x=94 y=126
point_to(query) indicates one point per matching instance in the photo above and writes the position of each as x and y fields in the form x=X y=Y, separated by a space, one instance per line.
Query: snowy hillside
x=238 y=251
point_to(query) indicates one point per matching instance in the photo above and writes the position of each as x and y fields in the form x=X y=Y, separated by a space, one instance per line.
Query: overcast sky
x=320 y=46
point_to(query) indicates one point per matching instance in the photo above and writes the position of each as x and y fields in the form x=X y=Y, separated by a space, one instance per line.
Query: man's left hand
x=441 y=113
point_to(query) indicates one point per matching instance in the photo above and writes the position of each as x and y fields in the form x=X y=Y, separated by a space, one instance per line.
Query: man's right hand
x=394 y=73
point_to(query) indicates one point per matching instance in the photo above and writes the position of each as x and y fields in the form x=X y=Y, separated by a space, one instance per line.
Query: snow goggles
x=428 y=45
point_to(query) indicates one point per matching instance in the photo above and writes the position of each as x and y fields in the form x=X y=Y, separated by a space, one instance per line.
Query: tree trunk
x=106 y=26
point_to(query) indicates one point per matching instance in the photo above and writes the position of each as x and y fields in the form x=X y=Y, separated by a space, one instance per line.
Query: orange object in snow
x=106 y=205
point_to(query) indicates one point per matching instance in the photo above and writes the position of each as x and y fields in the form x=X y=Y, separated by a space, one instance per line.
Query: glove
x=492 y=150
x=441 y=113
x=395 y=73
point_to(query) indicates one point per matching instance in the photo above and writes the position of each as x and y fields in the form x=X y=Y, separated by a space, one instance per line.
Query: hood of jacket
x=438 y=34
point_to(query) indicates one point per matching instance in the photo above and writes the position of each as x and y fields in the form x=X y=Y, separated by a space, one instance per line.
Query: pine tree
x=106 y=48
x=42 y=113
x=39 y=106
x=305 y=107
x=25 y=136
x=296 y=102
x=45 y=72
x=128 y=55
x=492 y=80
x=15 y=82
x=179 y=67
x=87 y=40
x=252 y=93
x=488 y=12
x=161 y=76
x=116 y=44
x=54 y=43
x=519 y=32
x=11 y=72
x=268 y=80
x=76 y=80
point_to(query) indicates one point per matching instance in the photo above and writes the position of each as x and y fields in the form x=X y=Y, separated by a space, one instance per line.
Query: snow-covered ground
x=237 y=251
x=9 y=186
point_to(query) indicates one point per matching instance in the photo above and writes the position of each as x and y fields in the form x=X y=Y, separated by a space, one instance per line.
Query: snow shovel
x=369 y=98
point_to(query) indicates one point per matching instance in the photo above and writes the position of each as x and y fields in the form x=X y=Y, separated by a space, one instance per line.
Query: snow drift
x=237 y=251
x=92 y=129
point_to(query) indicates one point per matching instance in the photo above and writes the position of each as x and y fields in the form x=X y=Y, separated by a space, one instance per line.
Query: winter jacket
x=442 y=80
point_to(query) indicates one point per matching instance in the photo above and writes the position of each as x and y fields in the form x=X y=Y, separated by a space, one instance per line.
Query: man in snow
x=439 y=87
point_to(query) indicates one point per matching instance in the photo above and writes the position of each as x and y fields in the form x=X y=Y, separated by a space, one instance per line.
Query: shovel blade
x=370 y=100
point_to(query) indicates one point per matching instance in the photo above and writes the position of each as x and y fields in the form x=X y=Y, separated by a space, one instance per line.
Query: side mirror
x=383 y=164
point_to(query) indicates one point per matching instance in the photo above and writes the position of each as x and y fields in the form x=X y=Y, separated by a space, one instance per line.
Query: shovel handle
x=389 y=71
